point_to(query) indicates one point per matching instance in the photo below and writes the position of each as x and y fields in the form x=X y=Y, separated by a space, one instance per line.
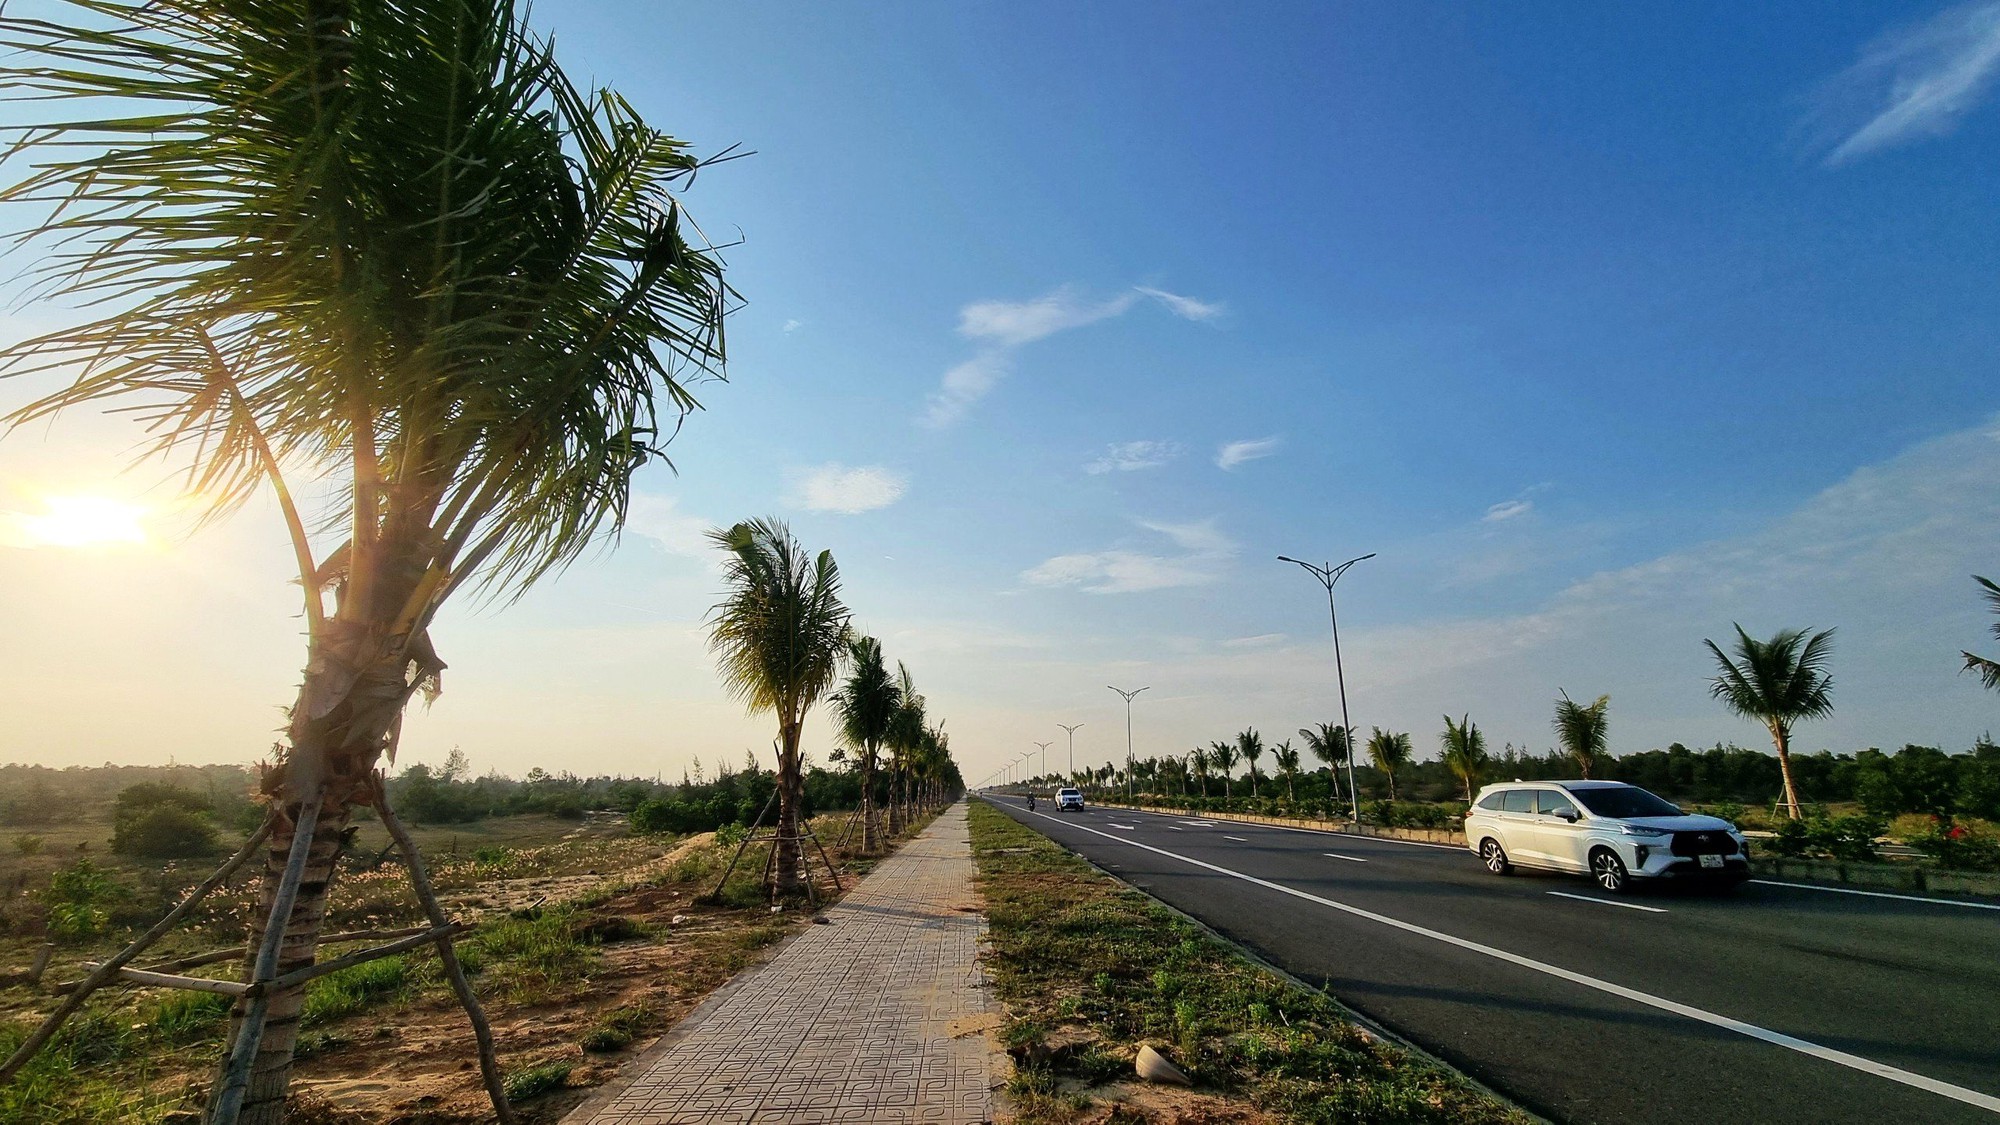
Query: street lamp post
x=1128 y=734
x=1045 y=756
x=1072 y=746
x=1328 y=575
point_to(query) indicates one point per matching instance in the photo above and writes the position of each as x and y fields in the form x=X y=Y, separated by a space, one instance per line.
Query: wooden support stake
x=424 y=937
x=238 y=952
x=747 y=837
x=482 y=1032
x=109 y=969
x=169 y=980
x=824 y=859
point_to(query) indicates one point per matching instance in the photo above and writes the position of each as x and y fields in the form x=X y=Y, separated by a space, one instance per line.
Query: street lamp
x=1128 y=734
x=1328 y=575
x=1072 y=746
x=1045 y=756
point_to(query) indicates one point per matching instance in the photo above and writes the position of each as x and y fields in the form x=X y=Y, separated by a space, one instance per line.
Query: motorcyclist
x=1031 y=802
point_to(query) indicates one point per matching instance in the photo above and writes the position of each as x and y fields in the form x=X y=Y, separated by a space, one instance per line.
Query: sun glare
x=83 y=521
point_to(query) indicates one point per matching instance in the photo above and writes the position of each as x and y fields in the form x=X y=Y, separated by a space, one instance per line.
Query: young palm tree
x=1464 y=751
x=905 y=742
x=1198 y=761
x=867 y=706
x=1251 y=745
x=1988 y=670
x=1777 y=682
x=1288 y=767
x=1583 y=730
x=1328 y=743
x=467 y=315
x=1390 y=751
x=780 y=635
x=1222 y=755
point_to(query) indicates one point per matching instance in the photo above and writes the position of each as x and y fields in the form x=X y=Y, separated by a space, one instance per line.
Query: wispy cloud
x=1911 y=83
x=1237 y=452
x=1187 y=308
x=1002 y=327
x=660 y=519
x=792 y=326
x=1132 y=456
x=847 y=491
x=1124 y=571
x=1506 y=510
x=1261 y=640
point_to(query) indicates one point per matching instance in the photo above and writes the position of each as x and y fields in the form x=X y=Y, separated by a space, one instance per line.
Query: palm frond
x=781 y=633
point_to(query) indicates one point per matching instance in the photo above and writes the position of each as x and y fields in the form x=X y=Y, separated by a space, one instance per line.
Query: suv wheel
x=1495 y=857
x=1609 y=871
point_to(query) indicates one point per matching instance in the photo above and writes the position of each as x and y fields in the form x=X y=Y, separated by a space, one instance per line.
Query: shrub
x=164 y=831
x=1972 y=845
x=28 y=844
x=1850 y=838
x=79 y=899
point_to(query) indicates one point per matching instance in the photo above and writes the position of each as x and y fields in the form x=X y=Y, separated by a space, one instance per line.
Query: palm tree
x=866 y=706
x=1328 y=743
x=1198 y=761
x=907 y=732
x=1988 y=670
x=780 y=635
x=1777 y=682
x=463 y=316
x=1251 y=745
x=1390 y=751
x=1222 y=755
x=1288 y=767
x=1464 y=751
x=1582 y=730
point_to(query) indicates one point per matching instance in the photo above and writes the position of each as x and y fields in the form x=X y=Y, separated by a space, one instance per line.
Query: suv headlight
x=1643 y=832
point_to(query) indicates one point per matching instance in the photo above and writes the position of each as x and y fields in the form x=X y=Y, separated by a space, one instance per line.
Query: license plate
x=1711 y=861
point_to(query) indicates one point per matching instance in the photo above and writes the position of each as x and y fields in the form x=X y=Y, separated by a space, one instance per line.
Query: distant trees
x=1583 y=730
x=1250 y=744
x=158 y=821
x=1329 y=744
x=1390 y=751
x=1222 y=755
x=1778 y=683
x=1464 y=751
x=1198 y=761
x=1287 y=760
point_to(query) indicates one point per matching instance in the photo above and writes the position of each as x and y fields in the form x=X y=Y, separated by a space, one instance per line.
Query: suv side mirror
x=1570 y=815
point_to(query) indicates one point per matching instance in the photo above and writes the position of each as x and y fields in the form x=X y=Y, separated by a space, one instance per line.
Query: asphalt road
x=1772 y=1004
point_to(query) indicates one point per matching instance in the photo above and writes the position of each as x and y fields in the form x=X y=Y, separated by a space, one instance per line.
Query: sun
x=82 y=521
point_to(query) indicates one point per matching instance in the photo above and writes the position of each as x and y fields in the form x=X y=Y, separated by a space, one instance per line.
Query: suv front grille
x=1704 y=843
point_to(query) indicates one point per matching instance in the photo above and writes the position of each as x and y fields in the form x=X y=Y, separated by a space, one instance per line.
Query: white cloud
x=1261 y=640
x=792 y=326
x=1004 y=326
x=1118 y=572
x=1200 y=536
x=660 y=519
x=1236 y=452
x=1132 y=456
x=1507 y=510
x=1187 y=308
x=836 y=488
x=1911 y=83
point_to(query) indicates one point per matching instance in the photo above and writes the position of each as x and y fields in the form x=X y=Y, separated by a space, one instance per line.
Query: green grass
x=351 y=989
x=534 y=1081
x=1083 y=960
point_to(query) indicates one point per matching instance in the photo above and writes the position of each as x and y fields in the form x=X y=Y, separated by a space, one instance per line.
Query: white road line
x=1176 y=828
x=1123 y=827
x=1238 y=839
x=1878 y=894
x=1200 y=823
x=1610 y=902
x=1348 y=858
x=1324 y=832
x=1986 y=1102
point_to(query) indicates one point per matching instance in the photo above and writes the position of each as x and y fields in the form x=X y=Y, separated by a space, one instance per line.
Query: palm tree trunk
x=895 y=805
x=785 y=877
x=1783 y=739
x=870 y=835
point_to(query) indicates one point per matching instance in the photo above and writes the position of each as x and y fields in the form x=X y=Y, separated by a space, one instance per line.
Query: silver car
x=1609 y=830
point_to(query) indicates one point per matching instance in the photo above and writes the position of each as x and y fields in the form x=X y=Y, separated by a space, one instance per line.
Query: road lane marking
x=1200 y=823
x=1122 y=827
x=1238 y=839
x=1609 y=902
x=1986 y=1102
x=1176 y=828
x=1348 y=858
x=1878 y=894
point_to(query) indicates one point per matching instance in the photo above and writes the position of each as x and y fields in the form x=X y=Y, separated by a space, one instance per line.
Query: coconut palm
x=470 y=318
x=907 y=732
x=1251 y=745
x=1222 y=755
x=1198 y=761
x=1390 y=751
x=1328 y=743
x=1988 y=670
x=866 y=705
x=1464 y=751
x=1288 y=767
x=1777 y=682
x=1582 y=730
x=780 y=635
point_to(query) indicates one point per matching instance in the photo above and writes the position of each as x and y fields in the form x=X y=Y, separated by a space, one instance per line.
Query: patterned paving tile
x=850 y=1022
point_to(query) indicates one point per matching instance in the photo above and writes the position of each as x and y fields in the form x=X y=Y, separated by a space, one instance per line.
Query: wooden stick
x=193 y=984
x=482 y=1032
x=824 y=859
x=235 y=1083
x=424 y=937
x=109 y=969
x=41 y=964
x=747 y=836
x=237 y=952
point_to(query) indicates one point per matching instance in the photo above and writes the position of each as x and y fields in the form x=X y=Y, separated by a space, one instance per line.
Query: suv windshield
x=1623 y=802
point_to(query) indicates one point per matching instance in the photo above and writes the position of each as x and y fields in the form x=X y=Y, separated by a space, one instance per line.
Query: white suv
x=1067 y=798
x=1612 y=831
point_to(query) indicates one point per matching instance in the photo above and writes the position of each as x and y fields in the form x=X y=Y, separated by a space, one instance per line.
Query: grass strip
x=1089 y=969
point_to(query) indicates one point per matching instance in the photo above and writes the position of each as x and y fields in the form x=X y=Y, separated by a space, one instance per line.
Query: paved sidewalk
x=875 y=1017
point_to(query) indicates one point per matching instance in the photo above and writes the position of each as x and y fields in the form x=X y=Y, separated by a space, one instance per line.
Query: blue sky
x=1605 y=327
